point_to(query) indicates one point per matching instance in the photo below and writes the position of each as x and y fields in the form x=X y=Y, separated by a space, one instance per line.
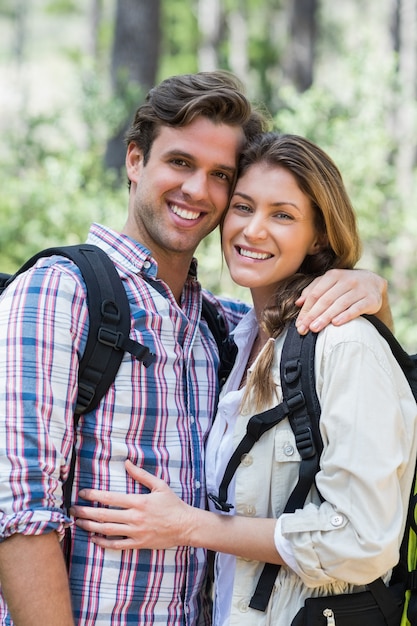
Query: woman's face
x=268 y=229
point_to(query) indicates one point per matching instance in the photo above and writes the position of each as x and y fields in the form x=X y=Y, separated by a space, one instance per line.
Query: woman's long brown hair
x=335 y=222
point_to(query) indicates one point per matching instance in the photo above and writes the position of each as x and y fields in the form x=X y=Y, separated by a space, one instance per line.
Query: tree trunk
x=209 y=25
x=300 y=55
x=405 y=129
x=21 y=17
x=135 y=59
x=239 y=42
x=407 y=74
x=96 y=13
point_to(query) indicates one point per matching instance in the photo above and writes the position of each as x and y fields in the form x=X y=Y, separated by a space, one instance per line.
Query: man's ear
x=134 y=162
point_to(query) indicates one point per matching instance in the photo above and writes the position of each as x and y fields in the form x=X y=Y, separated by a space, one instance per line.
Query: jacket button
x=250 y=510
x=243 y=606
x=288 y=449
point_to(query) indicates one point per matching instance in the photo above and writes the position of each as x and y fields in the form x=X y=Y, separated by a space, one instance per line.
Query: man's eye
x=223 y=176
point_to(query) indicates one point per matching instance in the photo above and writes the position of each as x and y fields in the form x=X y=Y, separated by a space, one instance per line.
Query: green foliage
x=62 y=7
x=51 y=192
x=179 y=38
x=8 y=8
x=354 y=133
x=51 y=175
x=354 y=129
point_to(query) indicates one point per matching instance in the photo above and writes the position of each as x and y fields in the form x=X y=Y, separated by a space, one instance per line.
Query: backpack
x=109 y=321
x=302 y=408
x=109 y=328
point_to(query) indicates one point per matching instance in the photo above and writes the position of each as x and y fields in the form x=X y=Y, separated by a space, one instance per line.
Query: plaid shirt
x=158 y=417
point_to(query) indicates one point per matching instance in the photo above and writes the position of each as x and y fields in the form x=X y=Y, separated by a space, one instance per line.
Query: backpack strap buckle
x=110 y=338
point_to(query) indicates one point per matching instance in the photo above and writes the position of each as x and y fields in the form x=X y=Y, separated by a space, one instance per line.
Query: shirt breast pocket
x=285 y=467
x=285 y=447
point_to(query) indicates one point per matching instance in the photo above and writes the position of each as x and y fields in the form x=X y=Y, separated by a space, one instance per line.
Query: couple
x=182 y=153
x=289 y=219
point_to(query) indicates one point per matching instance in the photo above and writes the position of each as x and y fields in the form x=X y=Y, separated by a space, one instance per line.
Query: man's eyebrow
x=187 y=155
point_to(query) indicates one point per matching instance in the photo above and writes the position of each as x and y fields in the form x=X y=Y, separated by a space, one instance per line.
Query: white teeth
x=186 y=215
x=261 y=256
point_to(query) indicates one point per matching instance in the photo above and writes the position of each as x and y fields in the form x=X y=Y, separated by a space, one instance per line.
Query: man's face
x=179 y=196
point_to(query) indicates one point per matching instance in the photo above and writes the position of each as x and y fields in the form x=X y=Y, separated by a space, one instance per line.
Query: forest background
x=343 y=73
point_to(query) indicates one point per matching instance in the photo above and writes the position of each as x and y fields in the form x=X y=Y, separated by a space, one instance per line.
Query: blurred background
x=342 y=73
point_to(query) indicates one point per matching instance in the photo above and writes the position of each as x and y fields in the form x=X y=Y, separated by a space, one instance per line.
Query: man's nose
x=196 y=185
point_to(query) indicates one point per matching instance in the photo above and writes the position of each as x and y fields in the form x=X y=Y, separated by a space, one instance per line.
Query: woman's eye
x=284 y=216
x=242 y=207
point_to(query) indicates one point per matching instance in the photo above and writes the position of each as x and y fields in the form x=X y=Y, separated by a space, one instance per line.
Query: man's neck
x=173 y=267
x=174 y=273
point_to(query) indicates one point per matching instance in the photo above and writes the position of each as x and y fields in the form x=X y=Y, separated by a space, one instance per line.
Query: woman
x=289 y=220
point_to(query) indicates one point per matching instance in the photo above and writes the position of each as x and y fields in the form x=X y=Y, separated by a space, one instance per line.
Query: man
x=181 y=163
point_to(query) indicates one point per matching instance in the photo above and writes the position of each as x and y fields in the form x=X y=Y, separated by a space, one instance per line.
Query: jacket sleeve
x=368 y=425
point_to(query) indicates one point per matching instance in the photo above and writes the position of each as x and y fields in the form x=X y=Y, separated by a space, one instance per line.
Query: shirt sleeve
x=283 y=546
x=368 y=426
x=232 y=310
x=43 y=324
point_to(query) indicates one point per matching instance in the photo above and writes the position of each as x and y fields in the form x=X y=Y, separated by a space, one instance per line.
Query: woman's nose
x=255 y=228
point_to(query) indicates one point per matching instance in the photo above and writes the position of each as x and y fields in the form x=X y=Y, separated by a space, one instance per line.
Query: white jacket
x=368 y=425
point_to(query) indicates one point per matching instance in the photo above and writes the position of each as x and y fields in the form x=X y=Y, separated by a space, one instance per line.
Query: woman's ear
x=318 y=245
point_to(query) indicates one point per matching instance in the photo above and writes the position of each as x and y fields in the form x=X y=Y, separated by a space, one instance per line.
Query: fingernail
x=302 y=329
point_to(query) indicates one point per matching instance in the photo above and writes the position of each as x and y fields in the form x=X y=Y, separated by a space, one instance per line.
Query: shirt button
x=147 y=265
x=337 y=520
x=192 y=419
x=243 y=606
x=288 y=449
x=250 y=510
x=197 y=484
x=246 y=460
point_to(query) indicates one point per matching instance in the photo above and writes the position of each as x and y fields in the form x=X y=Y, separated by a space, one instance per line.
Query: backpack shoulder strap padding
x=298 y=384
x=109 y=321
x=220 y=331
x=215 y=321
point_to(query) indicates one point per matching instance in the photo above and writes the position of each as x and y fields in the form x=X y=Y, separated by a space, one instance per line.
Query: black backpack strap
x=107 y=340
x=109 y=327
x=108 y=337
x=225 y=344
x=406 y=361
x=298 y=383
x=301 y=405
x=109 y=321
x=256 y=427
x=390 y=598
x=215 y=321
